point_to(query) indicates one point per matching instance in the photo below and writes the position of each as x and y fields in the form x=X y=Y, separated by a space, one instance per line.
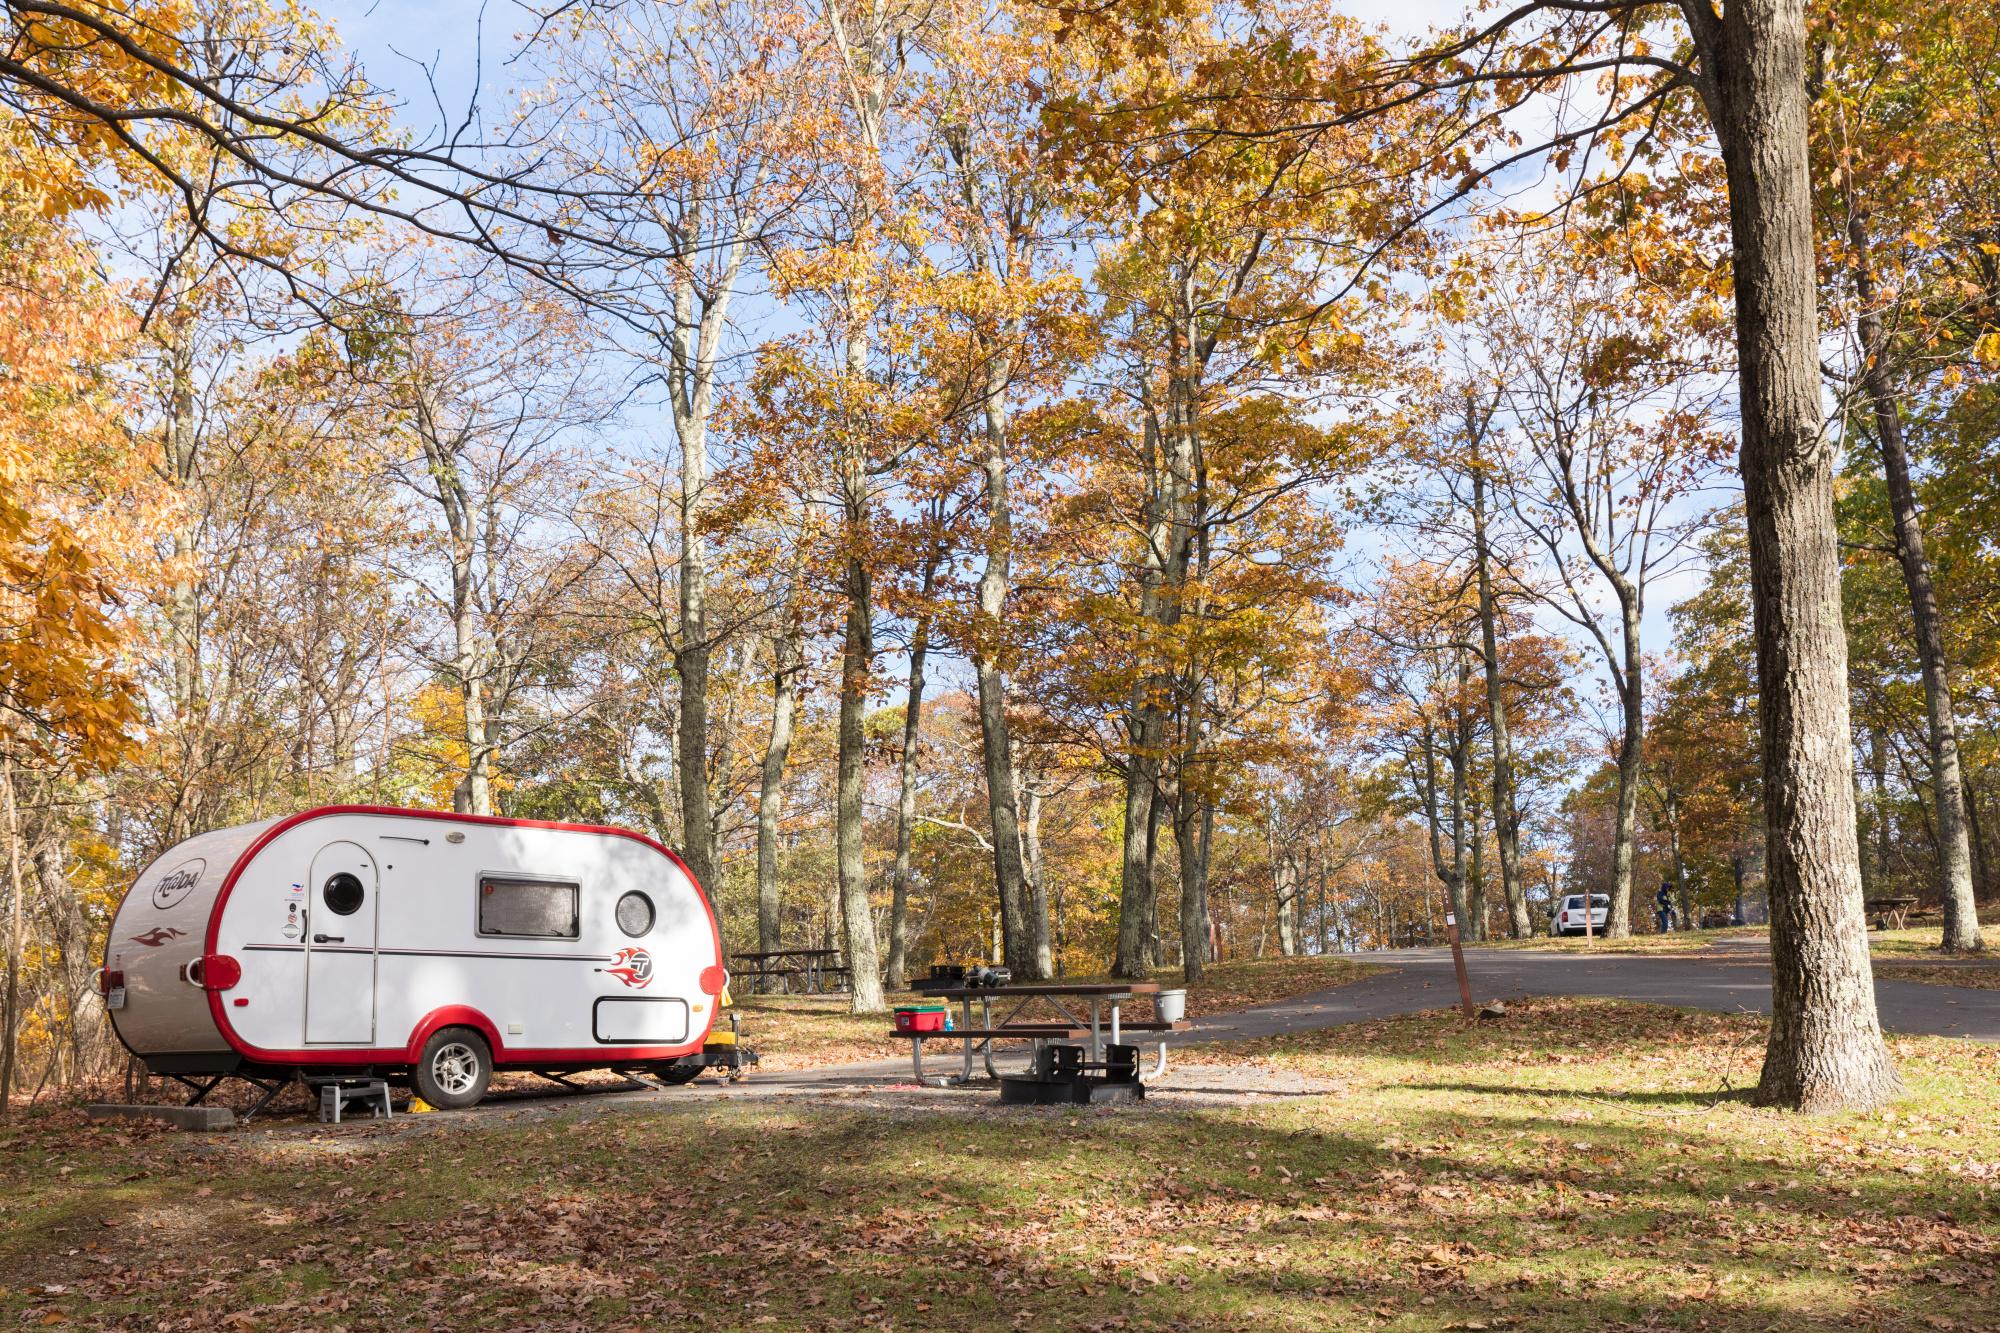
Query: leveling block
x=1058 y=1078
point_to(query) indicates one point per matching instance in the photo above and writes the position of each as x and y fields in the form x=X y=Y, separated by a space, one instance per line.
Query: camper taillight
x=110 y=979
x=216 y=971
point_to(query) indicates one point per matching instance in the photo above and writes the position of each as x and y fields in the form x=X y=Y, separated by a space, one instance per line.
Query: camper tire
x=455 y=1068
x=674 y=1073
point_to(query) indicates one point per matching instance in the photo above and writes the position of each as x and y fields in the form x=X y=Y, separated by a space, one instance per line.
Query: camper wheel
x=675 y=1073
x=454 y=1070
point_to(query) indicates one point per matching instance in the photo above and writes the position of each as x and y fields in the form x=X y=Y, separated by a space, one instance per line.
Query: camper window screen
x=538 y=907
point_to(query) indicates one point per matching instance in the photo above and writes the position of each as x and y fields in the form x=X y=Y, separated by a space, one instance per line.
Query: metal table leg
x=966 y=1025
x=1114 y=1022
x=986 y=1046
x=1096 y=1030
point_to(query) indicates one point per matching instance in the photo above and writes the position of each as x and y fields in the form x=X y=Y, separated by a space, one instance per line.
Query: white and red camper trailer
x=367 y=941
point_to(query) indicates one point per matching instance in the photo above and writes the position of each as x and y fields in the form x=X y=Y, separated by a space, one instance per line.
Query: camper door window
x=542 y=908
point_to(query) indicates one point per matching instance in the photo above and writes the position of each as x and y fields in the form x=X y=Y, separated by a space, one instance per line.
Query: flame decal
x=634 y=967
x=157 y=936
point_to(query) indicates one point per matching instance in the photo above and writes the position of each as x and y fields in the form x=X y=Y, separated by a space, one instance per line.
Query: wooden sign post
x=1458 y=964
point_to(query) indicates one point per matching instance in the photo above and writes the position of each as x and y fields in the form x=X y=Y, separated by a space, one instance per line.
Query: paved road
x=1733 y=976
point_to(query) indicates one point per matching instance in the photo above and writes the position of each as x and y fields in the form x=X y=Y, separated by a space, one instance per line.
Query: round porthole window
x=343 y=893
x=635 y=914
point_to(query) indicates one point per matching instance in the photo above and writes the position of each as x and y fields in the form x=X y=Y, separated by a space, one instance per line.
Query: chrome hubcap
x=455 y=1068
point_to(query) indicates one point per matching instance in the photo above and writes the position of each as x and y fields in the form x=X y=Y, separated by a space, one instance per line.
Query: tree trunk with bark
x=785 y=672
x=1284 y=892
x=691 y=658
x=1135 y=879
x=1449 y=870
x=1042 y=945
x=1961 y=912
x=1506 y=811
x=897 y=976
x=1024 y=943
x=856 y=683
x=1631 y=755
x=1170 y=449
x=1457 y=757
x=10 y=1034
x=1825 y=1051
x=700 y=316
x=691 y=663
x=1475 y=888
x=1194 y=821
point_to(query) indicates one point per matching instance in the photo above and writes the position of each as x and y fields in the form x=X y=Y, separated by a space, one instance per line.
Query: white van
x=1569 y=915
x=364 y=940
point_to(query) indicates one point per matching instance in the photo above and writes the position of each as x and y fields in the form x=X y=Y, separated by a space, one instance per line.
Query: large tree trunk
x=869 y=53
x=995 y=739
x=1506 y=812
x=1874 y=818
x=10 y=1034
x=1170 y=451
x=1449 y=870
x=1631 y=753
x=1961 y=913
x=1044 y=948
x=1022 y=900
x=785 y=668
x=1671 y=807
x=693 y=349
x=1193 y=821
x=474 y=792
x=1475 y=888
x=182 y=442
x=1135 y=886
x=857 y=921
x=473 y=653
x=1285 y=894
x=1456 y=882
x=906 y=793
x=1825 y=1051
x=1982 y=872
x=691 y=662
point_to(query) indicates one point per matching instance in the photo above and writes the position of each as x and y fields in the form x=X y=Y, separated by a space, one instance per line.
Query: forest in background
x=978 y=480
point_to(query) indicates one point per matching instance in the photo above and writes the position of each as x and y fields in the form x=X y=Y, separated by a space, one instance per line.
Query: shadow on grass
x=810 y=1216
x=1708 y=1099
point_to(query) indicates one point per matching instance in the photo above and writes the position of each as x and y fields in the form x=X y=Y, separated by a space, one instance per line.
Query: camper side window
x=544 y=908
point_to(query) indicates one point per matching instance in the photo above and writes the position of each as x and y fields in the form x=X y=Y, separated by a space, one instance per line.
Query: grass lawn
x=1679 y=941
x=1570 y=1167
x=806 y=1031
x=1921 y=941
x=1914 y=943
x=1979 y=976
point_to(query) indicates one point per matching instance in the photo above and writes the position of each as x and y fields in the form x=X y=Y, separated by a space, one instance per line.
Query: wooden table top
x=1081 y=990
x=788 y=953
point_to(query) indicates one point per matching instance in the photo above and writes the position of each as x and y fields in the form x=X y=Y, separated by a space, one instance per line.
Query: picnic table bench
x=1890 y=913
x=813 y=969
x=1067 y=1024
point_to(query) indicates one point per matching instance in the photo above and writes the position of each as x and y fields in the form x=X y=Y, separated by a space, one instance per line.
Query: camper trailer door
x=341 y=918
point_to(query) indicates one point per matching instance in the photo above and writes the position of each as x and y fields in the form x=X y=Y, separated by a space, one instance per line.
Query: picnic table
x=1064 y=1021
x=1890 y=913
x=813 y=968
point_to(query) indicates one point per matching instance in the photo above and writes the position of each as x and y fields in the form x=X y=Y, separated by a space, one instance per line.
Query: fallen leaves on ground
x=1581 y=1164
